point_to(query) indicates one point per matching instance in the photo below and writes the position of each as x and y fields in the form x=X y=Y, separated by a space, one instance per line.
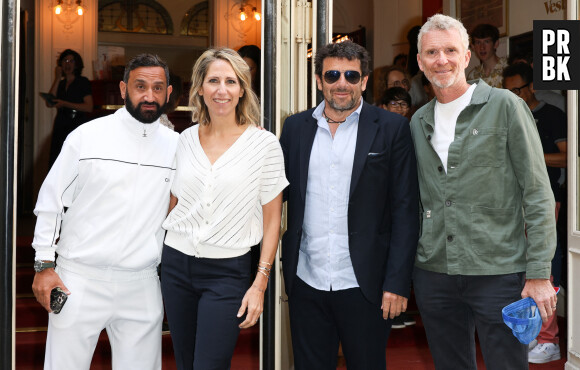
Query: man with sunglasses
x=488 y=229
x=352 y=218
x=551 y=124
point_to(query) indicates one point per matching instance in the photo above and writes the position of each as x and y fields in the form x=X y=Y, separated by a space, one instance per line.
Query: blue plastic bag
x=523 y=317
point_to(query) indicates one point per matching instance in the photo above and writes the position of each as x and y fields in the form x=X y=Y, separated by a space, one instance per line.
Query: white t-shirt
x=219 y=209
x=445 y=121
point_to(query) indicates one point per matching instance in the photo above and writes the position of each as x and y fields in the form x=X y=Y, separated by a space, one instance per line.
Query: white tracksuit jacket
x=113 y=176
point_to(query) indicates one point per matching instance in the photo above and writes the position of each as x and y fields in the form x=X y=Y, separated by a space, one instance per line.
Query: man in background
x=484 y=42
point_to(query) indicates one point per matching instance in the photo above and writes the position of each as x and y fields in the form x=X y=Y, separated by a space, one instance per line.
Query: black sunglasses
x=352 y=77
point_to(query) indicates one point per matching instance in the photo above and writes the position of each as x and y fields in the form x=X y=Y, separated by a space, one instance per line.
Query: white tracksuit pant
x=127 y=304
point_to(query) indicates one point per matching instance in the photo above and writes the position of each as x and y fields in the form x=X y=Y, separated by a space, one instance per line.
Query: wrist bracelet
x=264 y=268
x=263 y=273
x=269 y=264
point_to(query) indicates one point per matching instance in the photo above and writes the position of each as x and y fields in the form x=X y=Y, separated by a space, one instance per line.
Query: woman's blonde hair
x=248 y=108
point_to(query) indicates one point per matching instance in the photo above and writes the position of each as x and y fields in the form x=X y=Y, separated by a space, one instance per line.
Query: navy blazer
x=383 y=215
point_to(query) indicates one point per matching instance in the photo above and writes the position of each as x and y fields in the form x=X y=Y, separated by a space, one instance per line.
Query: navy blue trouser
x=202 y=297
x=452 y=307
x=319 y=320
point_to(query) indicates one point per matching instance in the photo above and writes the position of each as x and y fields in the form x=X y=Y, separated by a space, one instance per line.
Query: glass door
x=300 y=25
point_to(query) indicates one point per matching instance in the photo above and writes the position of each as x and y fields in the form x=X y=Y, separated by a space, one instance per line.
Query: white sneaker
x=532 y=345
x=544 y=352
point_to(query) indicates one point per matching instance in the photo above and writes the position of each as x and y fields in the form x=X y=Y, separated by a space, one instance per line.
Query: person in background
x=352 y=206
x=100 y=210
x=226 y=197
x=396 y=76
x=551 y=124
x=173 y=102
x=549 y=96
x=252 y=55
x=74 y=99
x=484 y=42
x=427 y=87
x=397 y=100
x=416 y=91
x=483 y=186
x=400 y=60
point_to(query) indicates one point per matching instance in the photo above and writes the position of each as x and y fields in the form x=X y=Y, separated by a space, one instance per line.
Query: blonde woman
x=226 y=197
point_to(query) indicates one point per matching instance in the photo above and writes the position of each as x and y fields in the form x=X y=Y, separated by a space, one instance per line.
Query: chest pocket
x=487 y=146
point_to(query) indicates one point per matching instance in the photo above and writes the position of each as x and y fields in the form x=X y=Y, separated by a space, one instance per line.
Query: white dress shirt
x=324 y=259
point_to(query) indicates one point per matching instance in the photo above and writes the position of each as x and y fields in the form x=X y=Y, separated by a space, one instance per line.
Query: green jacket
x=474 y=218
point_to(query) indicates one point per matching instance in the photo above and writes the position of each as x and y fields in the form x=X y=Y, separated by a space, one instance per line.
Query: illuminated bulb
x=80 y=10
x=243 y=16
x=58 y=9
x=257 y=15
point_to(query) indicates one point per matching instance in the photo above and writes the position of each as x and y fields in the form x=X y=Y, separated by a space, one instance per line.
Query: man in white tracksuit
x=100 y=210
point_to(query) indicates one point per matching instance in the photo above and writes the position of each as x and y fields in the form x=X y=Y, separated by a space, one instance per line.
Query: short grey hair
x=443 y=23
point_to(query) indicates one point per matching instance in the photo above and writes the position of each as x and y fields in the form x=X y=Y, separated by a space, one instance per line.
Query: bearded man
x=100 y=210
x=349 y=247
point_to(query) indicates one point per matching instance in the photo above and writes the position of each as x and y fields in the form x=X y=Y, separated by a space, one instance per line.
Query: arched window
x=140 y=16
x=196 y=21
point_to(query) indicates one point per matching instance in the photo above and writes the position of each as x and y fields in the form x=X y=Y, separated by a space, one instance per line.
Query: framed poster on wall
x=474 y=12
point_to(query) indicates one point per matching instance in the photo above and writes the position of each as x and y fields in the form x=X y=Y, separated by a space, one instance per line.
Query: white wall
x=521 y=21
x=352 y=15
x=349 y=15
x=392 y=20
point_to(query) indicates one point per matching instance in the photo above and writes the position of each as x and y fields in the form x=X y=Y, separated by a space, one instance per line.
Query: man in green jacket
x=488 y=229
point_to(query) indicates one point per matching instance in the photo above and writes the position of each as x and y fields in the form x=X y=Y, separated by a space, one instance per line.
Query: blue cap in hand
x=524 y=319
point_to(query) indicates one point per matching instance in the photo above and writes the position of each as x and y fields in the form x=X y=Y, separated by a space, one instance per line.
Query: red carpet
x=30 y=352
x=407 y=348
x=32 y=319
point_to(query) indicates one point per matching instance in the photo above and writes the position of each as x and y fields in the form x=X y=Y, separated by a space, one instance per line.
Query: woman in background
x=226 y=195
x=74 y=99
x=252 y=56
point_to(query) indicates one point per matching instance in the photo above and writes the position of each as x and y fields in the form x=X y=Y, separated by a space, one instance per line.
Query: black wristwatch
x=43 y=265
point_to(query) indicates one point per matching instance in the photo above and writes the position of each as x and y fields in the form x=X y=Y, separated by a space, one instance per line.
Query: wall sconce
x=244 y=14
x=68 y=12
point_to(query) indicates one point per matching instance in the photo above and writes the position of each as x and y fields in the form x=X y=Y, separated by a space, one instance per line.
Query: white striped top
x=219 y=209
